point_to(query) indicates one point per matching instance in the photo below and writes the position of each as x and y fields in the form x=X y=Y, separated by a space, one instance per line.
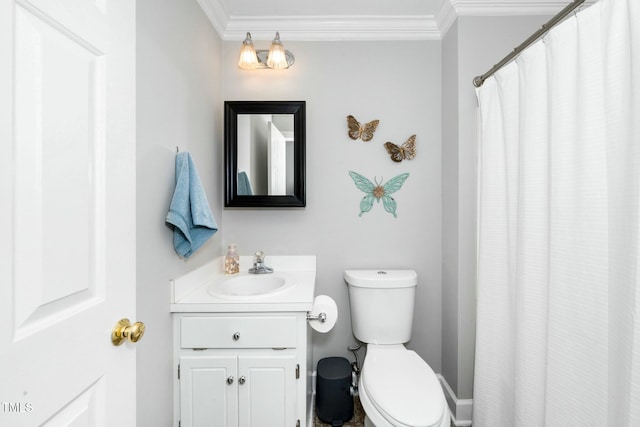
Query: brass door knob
x=124 y=330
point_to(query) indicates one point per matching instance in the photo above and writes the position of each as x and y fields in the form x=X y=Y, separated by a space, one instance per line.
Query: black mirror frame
x=231 y=111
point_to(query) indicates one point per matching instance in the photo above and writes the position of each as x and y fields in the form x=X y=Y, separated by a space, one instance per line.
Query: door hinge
x=298 y=371
x=178 y=378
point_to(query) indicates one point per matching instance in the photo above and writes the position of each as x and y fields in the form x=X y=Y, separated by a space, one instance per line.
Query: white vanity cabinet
x=241 y=369
x=241 y=346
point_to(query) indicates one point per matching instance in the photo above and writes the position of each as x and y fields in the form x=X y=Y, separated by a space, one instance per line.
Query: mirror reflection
x=265 y=154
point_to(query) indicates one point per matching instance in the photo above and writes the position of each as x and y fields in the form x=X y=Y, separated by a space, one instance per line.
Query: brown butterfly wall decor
x=401 y=152
x=364 y=131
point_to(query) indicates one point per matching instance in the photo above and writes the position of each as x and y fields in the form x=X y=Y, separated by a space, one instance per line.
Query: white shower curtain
x=558 y=322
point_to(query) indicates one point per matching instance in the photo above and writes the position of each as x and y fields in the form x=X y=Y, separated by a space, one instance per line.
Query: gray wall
x=471 y=47
x=178 y=104
x=364 y=79
x=450 y=213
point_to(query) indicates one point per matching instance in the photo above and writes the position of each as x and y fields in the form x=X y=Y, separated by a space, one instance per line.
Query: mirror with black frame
x=264 y=143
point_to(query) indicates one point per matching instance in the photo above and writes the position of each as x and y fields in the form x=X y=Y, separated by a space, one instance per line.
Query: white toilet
x=397 y=388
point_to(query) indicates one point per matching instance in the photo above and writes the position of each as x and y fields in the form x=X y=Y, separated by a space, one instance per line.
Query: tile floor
x=356 y=421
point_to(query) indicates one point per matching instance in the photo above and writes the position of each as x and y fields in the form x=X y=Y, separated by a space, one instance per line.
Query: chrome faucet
x=258 y=265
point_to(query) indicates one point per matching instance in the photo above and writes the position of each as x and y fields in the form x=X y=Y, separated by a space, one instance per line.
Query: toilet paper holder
x=322 y=317
x=324 y=314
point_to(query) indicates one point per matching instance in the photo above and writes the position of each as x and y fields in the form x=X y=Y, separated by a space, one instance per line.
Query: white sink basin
x=249 y=286
x=207 y=289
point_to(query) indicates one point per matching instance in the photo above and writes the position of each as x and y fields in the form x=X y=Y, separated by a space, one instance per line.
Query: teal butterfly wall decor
x=377 y=192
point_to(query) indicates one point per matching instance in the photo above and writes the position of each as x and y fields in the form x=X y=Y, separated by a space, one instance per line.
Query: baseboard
x=461 y=409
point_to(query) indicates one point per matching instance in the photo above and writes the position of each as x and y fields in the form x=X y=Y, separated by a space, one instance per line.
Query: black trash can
x=334 y=403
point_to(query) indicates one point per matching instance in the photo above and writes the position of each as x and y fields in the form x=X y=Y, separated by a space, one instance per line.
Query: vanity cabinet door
x=267 y=396
x=209 y=391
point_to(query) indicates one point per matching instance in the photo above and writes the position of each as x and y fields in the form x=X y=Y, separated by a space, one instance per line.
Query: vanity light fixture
x=276 y=57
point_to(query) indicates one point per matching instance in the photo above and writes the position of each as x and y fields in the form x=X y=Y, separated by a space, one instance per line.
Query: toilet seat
x=402 y=387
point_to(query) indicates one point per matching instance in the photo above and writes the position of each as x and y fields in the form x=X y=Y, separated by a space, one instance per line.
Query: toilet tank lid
x=381 y=278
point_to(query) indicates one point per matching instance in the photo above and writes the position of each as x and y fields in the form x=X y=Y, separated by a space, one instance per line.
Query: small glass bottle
x=232 y=260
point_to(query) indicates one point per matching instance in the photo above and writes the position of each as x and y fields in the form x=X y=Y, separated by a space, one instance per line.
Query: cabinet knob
x=230 y=380
x=242 y=379
x=236 y=336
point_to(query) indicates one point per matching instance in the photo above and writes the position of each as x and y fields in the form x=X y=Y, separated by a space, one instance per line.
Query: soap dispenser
x=232 y=260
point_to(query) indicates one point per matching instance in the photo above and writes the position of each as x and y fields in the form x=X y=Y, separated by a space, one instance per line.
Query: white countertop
x=189 y=292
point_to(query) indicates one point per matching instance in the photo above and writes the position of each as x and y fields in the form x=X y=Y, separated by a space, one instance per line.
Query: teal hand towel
x=189 y=213
x=244 y=186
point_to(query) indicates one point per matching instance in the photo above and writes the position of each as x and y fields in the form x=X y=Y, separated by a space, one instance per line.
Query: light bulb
x=248 y=57
x=277 y=56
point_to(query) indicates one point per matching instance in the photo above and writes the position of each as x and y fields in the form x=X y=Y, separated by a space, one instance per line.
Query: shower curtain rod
x=479 y=80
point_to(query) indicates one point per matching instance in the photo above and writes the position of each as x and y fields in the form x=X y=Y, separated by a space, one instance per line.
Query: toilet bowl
x=399 y=389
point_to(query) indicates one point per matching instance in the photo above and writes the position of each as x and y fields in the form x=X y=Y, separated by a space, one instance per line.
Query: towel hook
x=177 y=149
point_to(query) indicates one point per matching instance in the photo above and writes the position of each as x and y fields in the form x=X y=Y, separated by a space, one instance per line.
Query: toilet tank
x=381 y=304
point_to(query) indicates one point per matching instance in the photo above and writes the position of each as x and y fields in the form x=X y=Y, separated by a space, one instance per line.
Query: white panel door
x=267 y=393
x=67 y=197
x=277 y=162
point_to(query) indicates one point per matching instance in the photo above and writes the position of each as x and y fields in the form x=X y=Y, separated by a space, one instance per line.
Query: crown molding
x=334 y=28
x=368 y=27
x=508 y=7
x=445 y=17
x=216 y=13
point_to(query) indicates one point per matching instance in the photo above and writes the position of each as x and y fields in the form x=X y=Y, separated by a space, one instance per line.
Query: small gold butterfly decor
x=364 y=132
x=404 y=151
